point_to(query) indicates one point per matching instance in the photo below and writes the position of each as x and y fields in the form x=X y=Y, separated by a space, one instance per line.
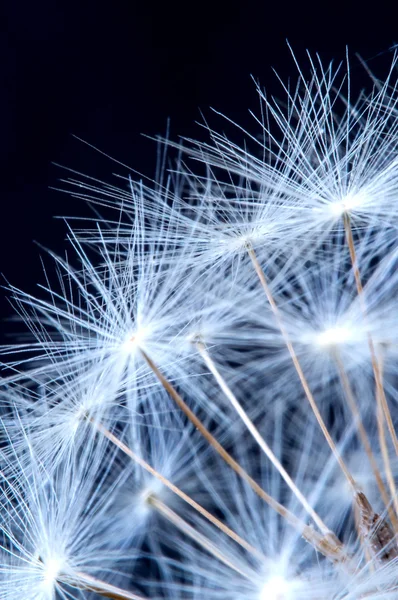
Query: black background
x=110 y=72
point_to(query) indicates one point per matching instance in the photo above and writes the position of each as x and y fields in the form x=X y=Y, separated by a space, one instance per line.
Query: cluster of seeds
x=207 y=403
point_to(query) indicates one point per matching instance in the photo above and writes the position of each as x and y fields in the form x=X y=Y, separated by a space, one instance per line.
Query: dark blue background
x=109 y=72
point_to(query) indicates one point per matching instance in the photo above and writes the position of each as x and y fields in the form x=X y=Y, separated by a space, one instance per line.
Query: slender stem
x=380 y=394
x=258 y=437
x=300 y=373
x=140 y=461
x=361 y=536
x=92 y=584
x=329 y=545
x=384 y=449
x=365 y=439
x=195 y=535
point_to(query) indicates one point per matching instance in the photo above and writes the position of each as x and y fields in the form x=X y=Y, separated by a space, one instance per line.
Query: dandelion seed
x=277 y=588
x=262 y=287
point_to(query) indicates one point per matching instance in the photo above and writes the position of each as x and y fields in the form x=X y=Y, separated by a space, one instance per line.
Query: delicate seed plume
x=207 y=404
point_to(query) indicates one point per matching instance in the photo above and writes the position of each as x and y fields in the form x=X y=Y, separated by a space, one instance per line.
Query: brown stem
x=137 y=459
x=258 y=437
x=92 y=584
x=380 y=394
x=328 y=545
x=195 y=535
x=300 y=373
x=384 y=449
x=365 y=439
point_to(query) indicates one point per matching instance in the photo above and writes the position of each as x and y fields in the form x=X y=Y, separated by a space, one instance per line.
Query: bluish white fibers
x=207 y=401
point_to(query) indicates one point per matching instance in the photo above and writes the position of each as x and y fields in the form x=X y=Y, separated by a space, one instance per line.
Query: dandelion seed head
x=277 y=588
x=152 y=489
x=195 y=337
x=100 y=464
x=138 y=501
x=52 y=568
x=349 y=203
x=133 y=341
x=334 y=336
x=77 y=416
x=244 y=236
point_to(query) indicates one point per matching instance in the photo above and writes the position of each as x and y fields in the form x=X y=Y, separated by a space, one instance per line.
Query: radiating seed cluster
x=206 y=406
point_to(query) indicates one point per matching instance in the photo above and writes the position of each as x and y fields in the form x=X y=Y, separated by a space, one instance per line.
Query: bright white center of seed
x=333 y=336
x=51 y=570
x=347 y=204
x=276 y=588
x=132 y=343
